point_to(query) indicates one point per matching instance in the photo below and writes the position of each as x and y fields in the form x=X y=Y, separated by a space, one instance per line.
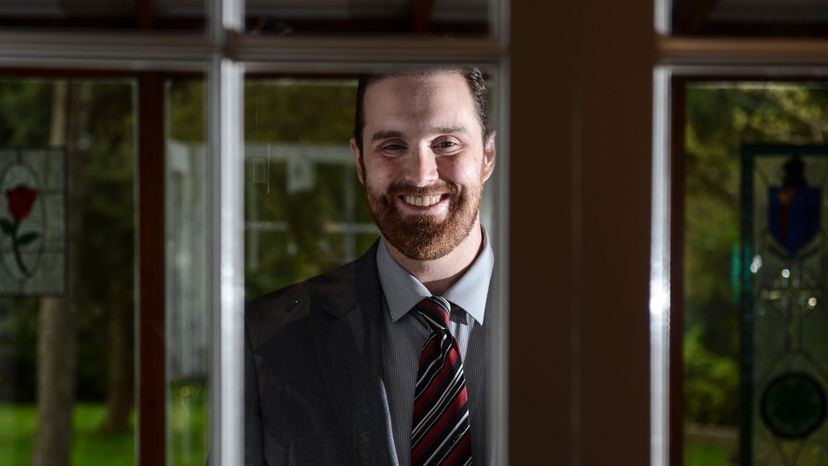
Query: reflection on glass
x=66 y=357
x=369 y=17
x=739 y=323
x=186 y=293
x=304 y=210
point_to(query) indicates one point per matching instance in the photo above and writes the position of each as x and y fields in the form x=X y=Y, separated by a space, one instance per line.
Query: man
x=382 y=361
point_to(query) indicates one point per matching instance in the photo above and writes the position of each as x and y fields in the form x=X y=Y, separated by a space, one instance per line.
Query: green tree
x=93 y=120
x=720 y=118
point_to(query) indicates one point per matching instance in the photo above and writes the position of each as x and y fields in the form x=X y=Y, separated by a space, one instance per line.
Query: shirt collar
x=403 y=291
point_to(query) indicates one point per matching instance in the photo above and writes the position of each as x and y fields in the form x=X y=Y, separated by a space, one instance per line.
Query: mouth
x=423 y=202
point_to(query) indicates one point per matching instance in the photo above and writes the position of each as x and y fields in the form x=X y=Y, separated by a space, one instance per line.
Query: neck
x=439 y=274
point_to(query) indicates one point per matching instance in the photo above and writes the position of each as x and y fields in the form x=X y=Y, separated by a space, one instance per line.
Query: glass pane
x=371 y=17
x=303 y=211
x=67 y=337
x=794 y=18
x=305 y=215
x=187 y=274
x=754 y=261
x=103 y=14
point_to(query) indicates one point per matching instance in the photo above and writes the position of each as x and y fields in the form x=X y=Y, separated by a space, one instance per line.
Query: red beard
x=424 y=237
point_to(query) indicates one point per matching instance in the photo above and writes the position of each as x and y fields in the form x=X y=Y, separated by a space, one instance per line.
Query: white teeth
x=422 y=201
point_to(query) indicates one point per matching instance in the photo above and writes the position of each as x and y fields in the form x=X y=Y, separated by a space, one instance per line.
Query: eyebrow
x=450 y=129
x=379 y=135
x=385 y=135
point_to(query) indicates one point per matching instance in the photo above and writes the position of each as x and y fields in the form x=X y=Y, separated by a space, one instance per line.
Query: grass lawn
x=187 y=426
x=91 y=448
x=17 y=426
x=705 y=455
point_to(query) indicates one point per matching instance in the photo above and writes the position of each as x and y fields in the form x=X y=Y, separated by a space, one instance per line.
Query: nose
x=421 y=167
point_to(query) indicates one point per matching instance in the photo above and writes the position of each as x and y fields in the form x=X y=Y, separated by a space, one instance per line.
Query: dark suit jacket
x=313 y=363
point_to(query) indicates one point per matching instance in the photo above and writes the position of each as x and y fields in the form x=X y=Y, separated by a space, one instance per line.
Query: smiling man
x=382 y=361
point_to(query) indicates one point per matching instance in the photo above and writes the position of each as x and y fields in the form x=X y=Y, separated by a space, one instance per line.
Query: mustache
x=401 y=188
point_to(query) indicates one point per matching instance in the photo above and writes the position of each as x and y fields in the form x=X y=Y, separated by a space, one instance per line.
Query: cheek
x=379 y=174
x=462 y=171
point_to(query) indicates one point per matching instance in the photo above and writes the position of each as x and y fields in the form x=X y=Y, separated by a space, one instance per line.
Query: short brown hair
x=473 y=76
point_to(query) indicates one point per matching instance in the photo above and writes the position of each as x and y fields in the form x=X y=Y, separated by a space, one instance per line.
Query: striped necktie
x=440 y=433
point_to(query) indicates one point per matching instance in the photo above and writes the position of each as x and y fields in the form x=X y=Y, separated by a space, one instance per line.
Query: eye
x=392 y=147
x=446 y=145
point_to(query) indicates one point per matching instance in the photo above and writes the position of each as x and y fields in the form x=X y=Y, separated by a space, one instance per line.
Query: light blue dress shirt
x=405 y=333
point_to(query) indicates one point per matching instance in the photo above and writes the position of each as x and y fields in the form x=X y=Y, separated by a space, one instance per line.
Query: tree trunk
x=56 y=345
x=119 y=390
x=56 y=369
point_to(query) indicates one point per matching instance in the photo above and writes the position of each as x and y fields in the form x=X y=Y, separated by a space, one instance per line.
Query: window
x=728 y=120
x=198 y=178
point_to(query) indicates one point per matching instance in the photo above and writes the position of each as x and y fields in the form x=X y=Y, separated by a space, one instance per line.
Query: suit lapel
x=350 y=354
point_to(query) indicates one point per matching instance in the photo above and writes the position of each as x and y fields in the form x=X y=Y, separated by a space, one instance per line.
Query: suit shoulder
x=269 y=314
x=303 y=305
x=289 y=297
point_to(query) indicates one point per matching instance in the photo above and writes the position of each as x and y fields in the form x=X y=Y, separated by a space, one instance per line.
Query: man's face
x=423 y=161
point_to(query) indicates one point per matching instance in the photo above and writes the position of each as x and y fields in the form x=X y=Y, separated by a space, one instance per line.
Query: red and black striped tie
x=440 y=432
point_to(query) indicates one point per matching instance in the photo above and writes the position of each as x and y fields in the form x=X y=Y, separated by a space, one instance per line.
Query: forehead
x=435 y=98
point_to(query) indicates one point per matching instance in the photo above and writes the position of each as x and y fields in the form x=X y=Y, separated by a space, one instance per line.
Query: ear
x=357 y=160
x=489 y=156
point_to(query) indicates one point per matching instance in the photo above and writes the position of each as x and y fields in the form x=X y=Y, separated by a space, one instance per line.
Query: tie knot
x=436 y=310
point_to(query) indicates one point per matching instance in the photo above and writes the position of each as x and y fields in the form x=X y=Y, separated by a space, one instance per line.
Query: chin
x=421 y=238
x=425 y=236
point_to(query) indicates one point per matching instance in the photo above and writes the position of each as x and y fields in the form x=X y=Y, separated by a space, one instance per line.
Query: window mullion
x=225 y=130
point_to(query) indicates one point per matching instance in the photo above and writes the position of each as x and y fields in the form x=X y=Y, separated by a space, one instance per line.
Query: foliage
x=303 y=114
x=711 y=382
x=720 y=117
x=300 y=113
x=18 y=330
x=279 y=112
x=109 y=221
x=105 y=152
x=25 y=117
x=25 y=112
x=187 y=104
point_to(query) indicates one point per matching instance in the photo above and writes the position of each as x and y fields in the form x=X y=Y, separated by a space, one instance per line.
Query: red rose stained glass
x=32 y=221
x=20 y=200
